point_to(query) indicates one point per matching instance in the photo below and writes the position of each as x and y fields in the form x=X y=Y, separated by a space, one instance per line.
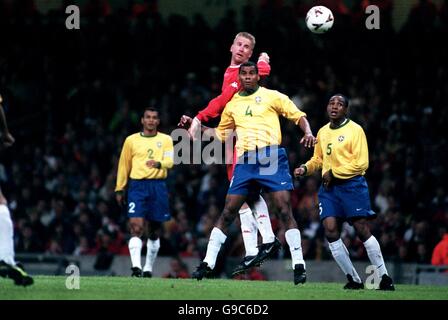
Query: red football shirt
x=230 y=86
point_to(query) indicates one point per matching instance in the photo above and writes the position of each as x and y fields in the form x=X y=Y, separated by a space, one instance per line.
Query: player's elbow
x=168 y=164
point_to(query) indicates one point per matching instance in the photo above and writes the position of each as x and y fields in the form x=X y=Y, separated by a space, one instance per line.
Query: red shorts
x=231 y=167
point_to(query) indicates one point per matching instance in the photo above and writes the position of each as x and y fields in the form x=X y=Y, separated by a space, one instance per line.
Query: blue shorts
x=148 y=198
x=346 y=201
x=266 y=169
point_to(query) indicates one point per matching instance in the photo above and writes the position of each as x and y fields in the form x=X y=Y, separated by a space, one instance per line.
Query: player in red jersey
x=256 y=217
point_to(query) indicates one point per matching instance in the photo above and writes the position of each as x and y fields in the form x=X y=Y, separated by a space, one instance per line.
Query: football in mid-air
x=319 y=19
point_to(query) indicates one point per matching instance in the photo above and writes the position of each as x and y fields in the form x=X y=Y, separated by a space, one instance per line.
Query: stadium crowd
x=72 y=97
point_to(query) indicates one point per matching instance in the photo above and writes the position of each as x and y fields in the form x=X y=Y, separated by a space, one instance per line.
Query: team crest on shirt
x=234 y=84
x=341 y=138
x=258 y=99
x=159 y=144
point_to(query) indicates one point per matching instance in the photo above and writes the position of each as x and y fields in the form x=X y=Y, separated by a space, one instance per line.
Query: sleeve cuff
x=200 y=117
x=305 y=168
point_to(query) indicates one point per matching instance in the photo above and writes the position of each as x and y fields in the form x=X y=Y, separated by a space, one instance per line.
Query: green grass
x=121 y=288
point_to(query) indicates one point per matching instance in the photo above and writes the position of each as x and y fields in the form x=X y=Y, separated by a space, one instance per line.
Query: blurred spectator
x=251 y=274
x=178 y=269
x=440 y=253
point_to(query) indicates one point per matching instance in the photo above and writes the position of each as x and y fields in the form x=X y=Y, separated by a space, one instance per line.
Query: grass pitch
x=126 y=288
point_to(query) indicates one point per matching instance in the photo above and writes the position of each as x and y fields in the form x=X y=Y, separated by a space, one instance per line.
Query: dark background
x=72 y=96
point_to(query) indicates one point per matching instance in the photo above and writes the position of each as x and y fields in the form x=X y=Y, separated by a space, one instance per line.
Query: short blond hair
x=246 y=35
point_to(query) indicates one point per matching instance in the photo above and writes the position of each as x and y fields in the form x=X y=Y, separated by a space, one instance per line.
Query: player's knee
x=332 y=233
x=244 y=206
x=136 y=230
x=332 y=236
x=252 y=197
x=364 y=235
x=287 y=219
x=3 y=200
x=154 y=235
x=362 y=229
x=228 y=216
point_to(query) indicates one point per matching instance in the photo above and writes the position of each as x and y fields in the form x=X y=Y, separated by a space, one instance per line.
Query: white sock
x=217 y=238
x=295 y=246
x=249 y=232
x=261 y=212
x=135 y=250
x=340 y=254
x=374 y=253
x=152 y=248
x=6 y=236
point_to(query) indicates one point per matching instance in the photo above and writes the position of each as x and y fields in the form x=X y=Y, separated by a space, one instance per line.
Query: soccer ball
x=319 y=19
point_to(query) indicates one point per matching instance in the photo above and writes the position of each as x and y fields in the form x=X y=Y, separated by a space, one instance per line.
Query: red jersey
x=440 y=253
x=231 y=85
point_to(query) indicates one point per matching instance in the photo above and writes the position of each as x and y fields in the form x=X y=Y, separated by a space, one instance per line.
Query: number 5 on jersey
x=329 y=148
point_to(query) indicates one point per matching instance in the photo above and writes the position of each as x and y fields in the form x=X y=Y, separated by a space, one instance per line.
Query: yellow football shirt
x=344 y=150
x=137 y=150
x=255 y=119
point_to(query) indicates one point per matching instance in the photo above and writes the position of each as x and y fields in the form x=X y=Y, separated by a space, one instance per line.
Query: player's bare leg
x=282 y=200
x=218 y=235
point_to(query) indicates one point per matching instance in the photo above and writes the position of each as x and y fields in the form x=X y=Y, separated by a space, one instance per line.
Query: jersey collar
x=245 y=94
x=146 y=136
x=347 y=120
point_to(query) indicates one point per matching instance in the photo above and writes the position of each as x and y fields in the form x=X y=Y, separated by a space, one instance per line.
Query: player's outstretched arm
x=216 y=106
x=308 y=139
x=213 y=110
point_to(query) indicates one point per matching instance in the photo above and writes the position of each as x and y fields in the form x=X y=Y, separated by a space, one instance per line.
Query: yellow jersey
x=344 y=150
x=137 y=150
x=255 y=119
